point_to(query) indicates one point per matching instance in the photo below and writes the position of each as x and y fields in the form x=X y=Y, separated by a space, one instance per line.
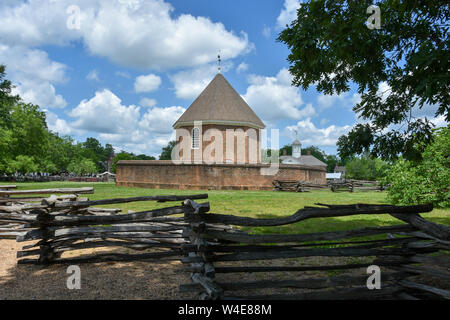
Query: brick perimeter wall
x=167 y=175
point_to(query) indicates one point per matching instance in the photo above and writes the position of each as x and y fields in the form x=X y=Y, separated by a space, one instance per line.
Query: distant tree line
x=27 y=145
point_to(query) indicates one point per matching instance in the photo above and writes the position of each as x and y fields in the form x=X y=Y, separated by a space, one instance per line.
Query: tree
x=122 y=155
x=84 y=166
x=29 y=133
x=427 y=181
x=332 y=161
x=7 y=101
x=23 y=164
x=366 y=168
x=166 y=153
x=331 y=46
x=316 y=152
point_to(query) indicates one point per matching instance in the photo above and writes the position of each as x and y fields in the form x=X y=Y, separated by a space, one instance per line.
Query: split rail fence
x=59 y=226
x=402 y=257
x=356 y=185
x=296 y=185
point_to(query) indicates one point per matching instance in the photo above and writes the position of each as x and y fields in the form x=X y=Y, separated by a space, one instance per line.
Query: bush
x=427 y=181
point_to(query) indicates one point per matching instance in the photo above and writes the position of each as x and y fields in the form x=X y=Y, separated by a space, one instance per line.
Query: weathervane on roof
x=218 y=61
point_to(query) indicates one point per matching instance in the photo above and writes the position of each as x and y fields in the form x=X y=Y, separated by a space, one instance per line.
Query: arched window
x=195 y=138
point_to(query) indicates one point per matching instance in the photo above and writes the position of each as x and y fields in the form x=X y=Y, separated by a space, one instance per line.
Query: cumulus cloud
x=93 y=76
x=56 y=124
x=147 y=102
x=143 y=34
x=190 y=83
x=34 y=75
x=147 y=83
x=309 y=134
x=242 y=67
x=125 y=127
x=160 y=120
x=274 y=98
x=288 y=13
x=104 y=113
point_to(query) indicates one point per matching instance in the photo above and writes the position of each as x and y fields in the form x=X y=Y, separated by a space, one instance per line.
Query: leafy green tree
x=366 y=168
x=166 y=153
x=122 y=155
x=144 y=157
x=29 y=136
x=7 y=101
x=332 y=161
x=331 y=47
x=316 y=152
x=23 y=164
x=81 y=167
x=287 y=148
x=426 y=181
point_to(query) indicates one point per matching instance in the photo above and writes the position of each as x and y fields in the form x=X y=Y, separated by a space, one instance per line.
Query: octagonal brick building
x=221 y=116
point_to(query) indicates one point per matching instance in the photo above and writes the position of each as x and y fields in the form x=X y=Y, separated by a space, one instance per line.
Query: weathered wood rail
x=60 y=226
x=402 y=257
x=355 y=185
x=296 y=185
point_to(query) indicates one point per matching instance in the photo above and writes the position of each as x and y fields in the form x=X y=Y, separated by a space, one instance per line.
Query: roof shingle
x=219 y=103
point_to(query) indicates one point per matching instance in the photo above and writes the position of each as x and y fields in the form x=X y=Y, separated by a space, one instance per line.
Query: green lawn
x=258 y=204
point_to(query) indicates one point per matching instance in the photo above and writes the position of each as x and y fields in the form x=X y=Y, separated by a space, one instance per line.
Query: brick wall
x=167 y=175
x=247 y=155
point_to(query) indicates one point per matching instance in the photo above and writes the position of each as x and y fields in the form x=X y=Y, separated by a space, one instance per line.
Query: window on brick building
x=195 y=138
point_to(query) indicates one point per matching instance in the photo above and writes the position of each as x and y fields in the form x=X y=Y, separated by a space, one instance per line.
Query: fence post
x=46 y=253
x=204 y=272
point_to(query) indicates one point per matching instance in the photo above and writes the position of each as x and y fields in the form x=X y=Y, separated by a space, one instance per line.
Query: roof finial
x=296 y=134
x=218 y=61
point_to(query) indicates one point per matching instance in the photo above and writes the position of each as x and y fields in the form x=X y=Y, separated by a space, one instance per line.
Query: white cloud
x=143 y=34
x=56 y=124
x=104 y=113
x=266 y=32
x=147 y=102
x=288 y=13
x=190 y=83
x=160 y=120
x=242 y=67
x=123 y=74
x=147 y=83
x=93 y=75
x=39 y=93
x=274 y=98
x=34 y=75
x=309 y=134
x=121 y=125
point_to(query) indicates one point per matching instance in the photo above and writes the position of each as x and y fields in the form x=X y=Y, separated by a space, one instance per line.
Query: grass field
x=258 y=204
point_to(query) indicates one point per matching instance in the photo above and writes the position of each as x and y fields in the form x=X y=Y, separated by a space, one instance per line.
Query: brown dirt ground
x=157 y=280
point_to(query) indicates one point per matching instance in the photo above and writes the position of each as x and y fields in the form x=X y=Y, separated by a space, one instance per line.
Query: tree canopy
x=427 y=181
x=332 y=47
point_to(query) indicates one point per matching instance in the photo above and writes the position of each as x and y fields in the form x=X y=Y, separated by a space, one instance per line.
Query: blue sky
x=123 y=71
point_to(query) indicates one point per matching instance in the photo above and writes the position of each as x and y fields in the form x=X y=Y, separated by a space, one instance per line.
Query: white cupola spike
x=296 y=147
x=218 y=62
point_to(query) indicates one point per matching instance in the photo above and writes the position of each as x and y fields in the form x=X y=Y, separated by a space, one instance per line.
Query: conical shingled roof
x=219 y=103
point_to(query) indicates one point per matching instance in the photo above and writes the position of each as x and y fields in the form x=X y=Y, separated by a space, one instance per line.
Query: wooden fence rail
x=61 y=226
x=399 y=255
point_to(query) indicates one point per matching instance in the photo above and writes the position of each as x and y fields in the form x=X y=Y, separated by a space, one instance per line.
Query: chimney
x=308 y=152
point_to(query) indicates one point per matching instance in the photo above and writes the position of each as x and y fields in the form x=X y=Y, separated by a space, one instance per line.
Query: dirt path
x=131 y=280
